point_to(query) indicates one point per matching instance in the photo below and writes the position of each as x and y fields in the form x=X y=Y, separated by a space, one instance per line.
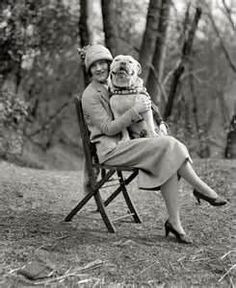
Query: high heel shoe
x=181 y=238
x=213 y=201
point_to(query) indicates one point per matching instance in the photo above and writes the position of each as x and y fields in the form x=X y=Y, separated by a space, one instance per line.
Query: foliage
x=13 y=113
x=131 y=28
x=37 y=40
x=14 y=110
x=29 y=28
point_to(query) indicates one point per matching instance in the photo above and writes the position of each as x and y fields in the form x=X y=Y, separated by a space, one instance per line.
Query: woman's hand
x=142 y=104
x=163 y=129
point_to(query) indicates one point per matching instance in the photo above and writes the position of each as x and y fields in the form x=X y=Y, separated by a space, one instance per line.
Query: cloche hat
x=96 y=52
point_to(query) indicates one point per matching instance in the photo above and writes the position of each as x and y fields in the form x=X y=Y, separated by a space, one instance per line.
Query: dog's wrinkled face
x=124 y=71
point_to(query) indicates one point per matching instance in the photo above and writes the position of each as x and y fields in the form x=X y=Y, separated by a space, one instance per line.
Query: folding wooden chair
x=101 y=176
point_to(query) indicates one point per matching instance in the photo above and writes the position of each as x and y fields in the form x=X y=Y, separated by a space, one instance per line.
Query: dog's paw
x=143 y=133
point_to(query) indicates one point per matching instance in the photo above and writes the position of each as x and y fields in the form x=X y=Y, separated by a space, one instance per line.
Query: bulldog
x=125 y=86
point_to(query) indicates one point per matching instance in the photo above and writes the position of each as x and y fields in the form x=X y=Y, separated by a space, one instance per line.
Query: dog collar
x=129 y=91
x=125 y=91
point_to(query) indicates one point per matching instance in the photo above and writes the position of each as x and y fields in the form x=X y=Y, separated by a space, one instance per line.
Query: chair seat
x=119 y=168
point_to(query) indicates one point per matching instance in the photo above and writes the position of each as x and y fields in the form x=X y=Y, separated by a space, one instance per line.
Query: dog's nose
x=122 y=63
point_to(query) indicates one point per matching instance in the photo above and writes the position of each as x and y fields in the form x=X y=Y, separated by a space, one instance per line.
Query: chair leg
x=127 y=199
x=131 y=206
x=102 y=210
x=119 y=189
x=112 y=196
x=79 y=206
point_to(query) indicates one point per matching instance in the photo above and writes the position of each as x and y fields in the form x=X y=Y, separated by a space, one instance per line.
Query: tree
x=83 y=35
x=83 y=27
x=158 y=60
x=228 y=12
x=109 y=25
x=186 y=50
x=149 y=38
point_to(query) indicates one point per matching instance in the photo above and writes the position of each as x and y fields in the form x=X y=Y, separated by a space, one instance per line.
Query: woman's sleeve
x=156 y=113
x=99 y=114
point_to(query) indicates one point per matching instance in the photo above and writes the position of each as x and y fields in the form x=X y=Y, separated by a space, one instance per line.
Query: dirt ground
x=81 y=253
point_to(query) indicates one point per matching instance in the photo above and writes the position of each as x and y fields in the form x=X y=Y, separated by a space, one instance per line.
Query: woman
x=161 y=160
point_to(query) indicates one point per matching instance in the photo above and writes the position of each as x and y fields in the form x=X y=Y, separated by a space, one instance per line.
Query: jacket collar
x=102 y=89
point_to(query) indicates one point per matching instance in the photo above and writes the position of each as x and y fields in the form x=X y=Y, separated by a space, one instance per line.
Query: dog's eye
x=130 y=62
x=116 y=59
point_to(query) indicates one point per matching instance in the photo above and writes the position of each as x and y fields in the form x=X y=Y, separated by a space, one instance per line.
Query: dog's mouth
x=123 y=72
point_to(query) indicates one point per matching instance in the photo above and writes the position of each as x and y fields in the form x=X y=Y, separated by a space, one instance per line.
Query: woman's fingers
x=163 y=129
x=142 y=104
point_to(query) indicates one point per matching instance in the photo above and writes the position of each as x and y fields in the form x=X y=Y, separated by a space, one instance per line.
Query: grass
x=82 y=254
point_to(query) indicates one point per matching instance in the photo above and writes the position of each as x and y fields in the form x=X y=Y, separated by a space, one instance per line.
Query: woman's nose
x=98 y=66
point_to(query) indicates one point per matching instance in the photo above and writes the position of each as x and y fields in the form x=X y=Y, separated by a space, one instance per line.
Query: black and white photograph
x=118 y=143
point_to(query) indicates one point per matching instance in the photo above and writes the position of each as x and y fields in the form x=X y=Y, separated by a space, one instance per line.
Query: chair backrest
x=89 y=148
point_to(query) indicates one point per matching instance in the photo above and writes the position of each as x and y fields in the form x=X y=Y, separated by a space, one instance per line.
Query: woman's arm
x=159 y=120
x=98 y=113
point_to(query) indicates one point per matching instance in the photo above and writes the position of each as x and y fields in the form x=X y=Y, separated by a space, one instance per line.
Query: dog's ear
x=139 y=67
x=110 y=85
x=112 y=65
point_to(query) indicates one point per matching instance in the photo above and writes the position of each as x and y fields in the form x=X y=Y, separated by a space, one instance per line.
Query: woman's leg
x=187 y=172
x=170 y=194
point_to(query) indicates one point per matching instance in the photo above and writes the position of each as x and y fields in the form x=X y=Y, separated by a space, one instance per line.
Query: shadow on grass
x=38 y=226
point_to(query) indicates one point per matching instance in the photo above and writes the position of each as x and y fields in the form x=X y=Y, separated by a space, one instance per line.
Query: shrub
x=13 y=113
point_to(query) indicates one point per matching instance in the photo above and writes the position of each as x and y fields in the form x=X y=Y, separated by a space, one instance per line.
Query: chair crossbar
x=104 y=179
x=119 y=189
x=108 y=186
x=123 y=217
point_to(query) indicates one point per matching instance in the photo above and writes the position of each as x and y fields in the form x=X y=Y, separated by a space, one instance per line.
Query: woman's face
x=100 y=70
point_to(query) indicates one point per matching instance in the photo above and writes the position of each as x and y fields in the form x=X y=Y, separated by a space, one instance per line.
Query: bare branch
x=194 y=74
x=161 y=86
x=47 y=123
x=228 y=13
x=186 y=51
x=222 y=44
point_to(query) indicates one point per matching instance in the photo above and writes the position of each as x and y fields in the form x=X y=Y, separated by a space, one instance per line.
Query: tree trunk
x=84 y=34
x=186 y=50
x=109 y=25
x=159 y=54
x=194 y=103
x=83 y=27
x=149 y=38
